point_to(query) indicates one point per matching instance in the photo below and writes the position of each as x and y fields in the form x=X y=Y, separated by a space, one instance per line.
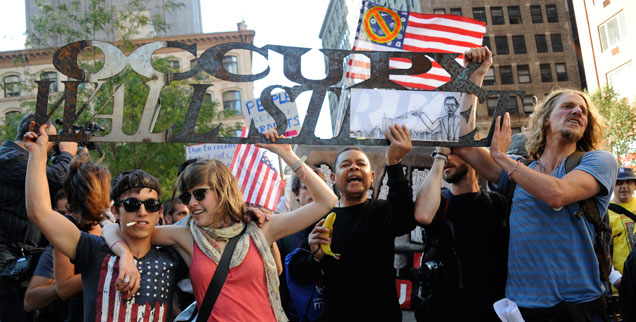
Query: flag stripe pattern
x=255 y=175
x=419 y=33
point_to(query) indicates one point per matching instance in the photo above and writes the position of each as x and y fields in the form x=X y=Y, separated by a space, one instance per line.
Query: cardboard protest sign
x=221 y=152
x=253 y=110
x=429 y=116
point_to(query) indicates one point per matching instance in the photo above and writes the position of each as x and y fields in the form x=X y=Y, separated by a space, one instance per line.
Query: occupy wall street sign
x=65 y=61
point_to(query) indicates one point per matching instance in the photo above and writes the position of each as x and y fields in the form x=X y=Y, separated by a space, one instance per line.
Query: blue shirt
x=551 y=255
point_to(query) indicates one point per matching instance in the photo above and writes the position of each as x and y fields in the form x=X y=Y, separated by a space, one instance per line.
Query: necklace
x=541 y=166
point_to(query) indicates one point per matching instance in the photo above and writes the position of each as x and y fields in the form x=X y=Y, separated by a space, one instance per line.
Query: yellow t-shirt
x=623 y=233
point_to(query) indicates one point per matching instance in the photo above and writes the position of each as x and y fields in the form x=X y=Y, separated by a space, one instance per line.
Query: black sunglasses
x=199 y=194
x=133 y=204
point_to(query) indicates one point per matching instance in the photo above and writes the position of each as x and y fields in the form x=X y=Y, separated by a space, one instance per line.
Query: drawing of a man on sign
x=254 y=111
x=430 y=116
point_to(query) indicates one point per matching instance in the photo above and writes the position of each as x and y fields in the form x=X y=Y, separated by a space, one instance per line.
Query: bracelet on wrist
x=298 y=163
x=513 y=170
x=439 y=155
x=115 y=243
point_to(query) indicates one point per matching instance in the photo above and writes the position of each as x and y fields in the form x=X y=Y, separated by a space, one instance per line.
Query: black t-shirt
x=480 y=243
x=100 y=268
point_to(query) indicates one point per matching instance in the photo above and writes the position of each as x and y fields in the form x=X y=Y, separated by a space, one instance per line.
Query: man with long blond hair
x=553 y=273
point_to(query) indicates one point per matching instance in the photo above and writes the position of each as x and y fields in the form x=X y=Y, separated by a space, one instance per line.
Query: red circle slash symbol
x=375 y=15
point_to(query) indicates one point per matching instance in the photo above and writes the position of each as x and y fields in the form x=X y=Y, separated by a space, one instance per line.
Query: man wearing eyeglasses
x=106 y=296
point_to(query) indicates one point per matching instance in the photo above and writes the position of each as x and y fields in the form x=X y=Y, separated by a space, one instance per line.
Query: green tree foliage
x=68 y=23
x=621 y=118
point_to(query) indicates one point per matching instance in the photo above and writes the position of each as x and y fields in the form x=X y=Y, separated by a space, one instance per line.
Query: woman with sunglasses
x=216 y=205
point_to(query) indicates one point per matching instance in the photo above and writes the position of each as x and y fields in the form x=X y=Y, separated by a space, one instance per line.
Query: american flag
x=385 y=29
x=260 y=183
x=151 y=303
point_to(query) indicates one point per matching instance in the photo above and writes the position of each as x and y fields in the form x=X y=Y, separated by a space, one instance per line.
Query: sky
x=280 y=22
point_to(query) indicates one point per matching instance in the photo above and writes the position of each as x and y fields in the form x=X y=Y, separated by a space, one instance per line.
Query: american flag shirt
x=100 y=268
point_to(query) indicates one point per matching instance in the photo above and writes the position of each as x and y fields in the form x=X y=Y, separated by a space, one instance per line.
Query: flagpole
x=280 y=166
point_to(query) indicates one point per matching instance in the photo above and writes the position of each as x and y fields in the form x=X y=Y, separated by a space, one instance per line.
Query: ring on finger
x=126 y=279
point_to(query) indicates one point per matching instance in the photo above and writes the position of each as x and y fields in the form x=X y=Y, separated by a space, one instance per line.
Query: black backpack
x=587 y=208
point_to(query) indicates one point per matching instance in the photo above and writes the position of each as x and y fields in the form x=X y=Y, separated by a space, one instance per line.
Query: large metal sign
x=65 y=60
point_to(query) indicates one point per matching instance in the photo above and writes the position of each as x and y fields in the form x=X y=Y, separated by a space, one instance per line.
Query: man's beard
x=570 y=135
x=457 y=176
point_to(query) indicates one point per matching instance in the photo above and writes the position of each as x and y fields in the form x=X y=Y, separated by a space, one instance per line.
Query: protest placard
x=221 y=152
x=253 y=110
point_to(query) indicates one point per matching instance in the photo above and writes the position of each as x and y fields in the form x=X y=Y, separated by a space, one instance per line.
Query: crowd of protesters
x=78 y=245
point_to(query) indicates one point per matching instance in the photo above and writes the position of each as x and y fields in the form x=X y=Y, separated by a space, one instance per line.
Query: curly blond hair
x=535 y=127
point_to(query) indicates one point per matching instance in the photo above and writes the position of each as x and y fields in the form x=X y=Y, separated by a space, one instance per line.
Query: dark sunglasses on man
x=133 y=204
x=199 y=194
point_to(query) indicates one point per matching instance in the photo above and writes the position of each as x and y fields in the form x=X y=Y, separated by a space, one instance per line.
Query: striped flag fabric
x=384 y=29
x=260 y=183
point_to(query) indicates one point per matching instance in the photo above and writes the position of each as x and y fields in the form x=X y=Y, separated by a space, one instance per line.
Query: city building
x=38 y=63
x=533 y=46
x=606 y=48
x=185 y=20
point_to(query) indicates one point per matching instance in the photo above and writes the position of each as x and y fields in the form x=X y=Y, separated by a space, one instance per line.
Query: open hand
x=400 y=139
x=501 y=137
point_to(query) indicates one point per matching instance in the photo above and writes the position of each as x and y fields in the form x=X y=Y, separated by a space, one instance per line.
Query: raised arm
x=477 y=157
x=286 y=224
x=60 y=232
x=429 y=196
x=400 y=197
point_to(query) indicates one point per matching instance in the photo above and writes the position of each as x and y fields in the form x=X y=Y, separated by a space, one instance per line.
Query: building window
x=561 y=72
x=528 y=103
x=50 y=76
x=497 y=16
x=519 y=44
x=505 y=74
x=523 y=74
x=557 y=44
x=230 y=63
x=456 y=11
x=489 y=78
x=537 y=15
x=513 y=105
x=232 y=101
x=486 y=42
x=514 y=15
x=174 y=64
x=542 y=44
x=612 y=31
x=439 y=11
x=501 y=42
x=480 y=14
x=546 y=73
x=551 y=13
x=491 y=103
x=11 y=86
x=620 y=80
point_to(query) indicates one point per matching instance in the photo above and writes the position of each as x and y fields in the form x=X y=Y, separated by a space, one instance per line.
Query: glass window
x=612 y=31
x=542 y=44
x=551 y=13
x=546 y=73
x=439 y=11
x=489 y=78
x=174 y=64
x=561 y=72
x=519 y=44
x=50 y=76
x=11 y=86
x=621 y=80
x=479 y=13
x=513 y=105
x=491 y=103
x=505 y=74
x=537 y=15
x=528 y=103
x=486 y=43
x=501 y=42
x=557 y=44
x=231 y=64
x=456 y=11
x=232 y=101
x=514 y=15
x=523 y=74
x=497 y=16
